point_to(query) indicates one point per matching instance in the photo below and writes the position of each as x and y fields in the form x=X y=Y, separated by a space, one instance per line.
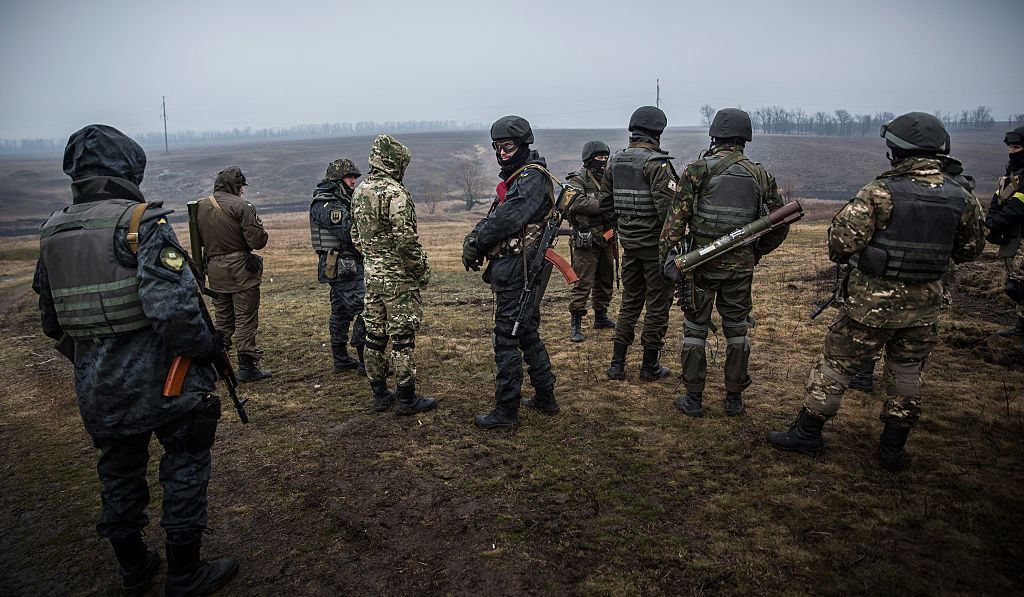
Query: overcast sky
x=226 y=64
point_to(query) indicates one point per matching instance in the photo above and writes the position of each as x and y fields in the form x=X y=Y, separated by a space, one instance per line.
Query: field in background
x=620 y=494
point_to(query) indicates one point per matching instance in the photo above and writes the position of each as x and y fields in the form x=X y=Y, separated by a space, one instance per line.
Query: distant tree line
x=777 y=120
x=327 y=129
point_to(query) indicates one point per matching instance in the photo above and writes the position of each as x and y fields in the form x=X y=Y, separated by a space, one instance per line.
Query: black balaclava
x=517 y=160
x=597 y=166
x=1015 y=163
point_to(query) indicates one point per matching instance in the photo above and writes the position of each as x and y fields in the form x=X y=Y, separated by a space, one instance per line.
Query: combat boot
x=804 y=435
x=188 y=575
x=602 y=322
x=249 y=369
x=1017 y=330
x=137 y=564
x=383 y=398
x=864 y=380
x=651 y=369
x=342 y=361
x=409 y=403
x=361 y=369
x=733 y=404
x=575 y=323
x=891 y=455
x=617 y=370
x=690 y=404
x=543 y=402
x=497 y=419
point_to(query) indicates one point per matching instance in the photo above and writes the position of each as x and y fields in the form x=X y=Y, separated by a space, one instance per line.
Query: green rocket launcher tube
x=195 y=243
x=787 y=214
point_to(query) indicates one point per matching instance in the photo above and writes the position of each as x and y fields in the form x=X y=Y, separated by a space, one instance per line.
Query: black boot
x=138 y=565
x=651 y=369
x=891 y=455
x=543 y=402
x=383 y=398
x=804 y=435
x=733 y=404
x=1017 y=330
x=361 y=369
x=690 y=404
x=342 y=362
x=864 y=380
x=249 y=369
x=409 y=403
x=497 y=419
x=188 y=575
x=575 y=323
x=617 y=370
x=602 y=322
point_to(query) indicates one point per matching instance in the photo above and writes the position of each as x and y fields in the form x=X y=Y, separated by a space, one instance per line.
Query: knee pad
x=906 y=377
x=735 y=328
x=375 y=342
x=399 y=343
x=195 y=431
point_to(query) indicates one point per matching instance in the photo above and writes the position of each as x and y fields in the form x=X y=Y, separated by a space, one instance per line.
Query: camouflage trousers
x=396 y=318
x=184 y=476
x=643 y=287
x=729 y=291
x=596 y=270
x=849 y=345
x=237 y=316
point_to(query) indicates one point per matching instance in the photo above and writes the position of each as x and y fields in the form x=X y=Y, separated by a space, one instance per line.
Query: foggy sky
x=227 y=64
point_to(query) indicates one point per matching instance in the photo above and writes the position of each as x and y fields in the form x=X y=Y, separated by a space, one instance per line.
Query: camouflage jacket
x=640 y=235
x=119 y=381
x=691 y=183
x=384 y=223
x=331 y=209
x=888 y=303
x=585 y=213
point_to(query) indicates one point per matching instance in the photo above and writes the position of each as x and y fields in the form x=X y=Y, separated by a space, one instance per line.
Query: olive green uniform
x=592 y=255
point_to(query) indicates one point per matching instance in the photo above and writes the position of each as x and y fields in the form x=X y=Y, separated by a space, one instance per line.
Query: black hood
x=101 y=150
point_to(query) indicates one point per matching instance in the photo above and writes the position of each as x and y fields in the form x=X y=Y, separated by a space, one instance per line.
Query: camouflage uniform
x=726 y=281
x=594 y=264
x=1005 y=220
x=330 y=220
x=130 y=311
x=384 y=231
x=901 y=316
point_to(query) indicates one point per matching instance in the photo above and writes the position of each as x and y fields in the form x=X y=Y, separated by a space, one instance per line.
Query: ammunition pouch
x=195 y=431
x=1015 y=290
x=871 y=260
x=331 y=265
x=254 y=263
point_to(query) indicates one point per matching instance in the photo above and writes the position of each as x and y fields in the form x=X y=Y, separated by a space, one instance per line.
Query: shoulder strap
x=757 y=173
x=133 y=227
x=723 y=164
x=216 y=204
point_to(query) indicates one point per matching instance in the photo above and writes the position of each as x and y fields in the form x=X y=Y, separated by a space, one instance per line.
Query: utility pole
x=657 y=96
x=163 y=106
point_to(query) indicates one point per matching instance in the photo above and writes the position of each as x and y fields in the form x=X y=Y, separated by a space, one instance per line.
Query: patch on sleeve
x=172 y=259
x=335 y=216
x=672 y=185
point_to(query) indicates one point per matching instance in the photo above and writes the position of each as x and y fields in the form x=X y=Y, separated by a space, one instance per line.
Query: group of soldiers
x=118 y=292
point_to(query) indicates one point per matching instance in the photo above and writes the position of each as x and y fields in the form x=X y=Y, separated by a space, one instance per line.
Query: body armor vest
x=514 y=245
x=95 y=296
x=918 y=241
x=632 y=194
x=731 y=197
x=323 y=239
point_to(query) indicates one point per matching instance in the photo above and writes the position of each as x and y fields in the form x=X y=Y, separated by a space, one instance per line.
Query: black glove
x=217 y=349
x=471 y=257
x=669 y=269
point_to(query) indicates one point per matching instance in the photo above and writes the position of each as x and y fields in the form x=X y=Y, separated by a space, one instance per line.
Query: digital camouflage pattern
x=340 y=169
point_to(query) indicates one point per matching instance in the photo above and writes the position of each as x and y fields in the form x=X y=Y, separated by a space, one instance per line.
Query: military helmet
x=101 y=150
x=916 y=131
x=340 y=169
x=730 y=123
x=1015 y=137
x=591 y=149
x=516 y=128
x=648 y=118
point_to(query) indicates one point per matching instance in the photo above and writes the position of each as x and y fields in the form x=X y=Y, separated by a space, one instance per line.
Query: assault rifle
x=610 y=237
x=222 y=362
x=837 y=289
x=544 y=254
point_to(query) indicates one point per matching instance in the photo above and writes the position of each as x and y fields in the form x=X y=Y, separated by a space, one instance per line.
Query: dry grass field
x=620 y=494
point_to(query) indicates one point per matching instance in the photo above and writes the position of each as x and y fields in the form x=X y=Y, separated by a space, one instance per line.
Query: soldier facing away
x=1005 y=221
x=899 y=234
x=230 y=231
x=384 y=231
x=339 y=263
x=523 y=205
x=718 y=193
x=636 y=192
x=114 y=287
x=592 y=255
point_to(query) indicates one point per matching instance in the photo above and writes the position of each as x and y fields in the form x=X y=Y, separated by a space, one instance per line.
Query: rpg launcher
x=544 y=254
x=787 y=214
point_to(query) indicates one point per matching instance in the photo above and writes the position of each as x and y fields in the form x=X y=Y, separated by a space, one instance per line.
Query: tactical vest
x=731 y=196
x=632 y=194
x=918 y=241
x=531 y=232
x=95 y=296
x=585 y=181
x=323 y=239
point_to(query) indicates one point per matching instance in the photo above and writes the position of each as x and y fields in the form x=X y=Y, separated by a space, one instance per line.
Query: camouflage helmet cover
x=916 y=131
x=731 y=123
x=592 y=149
x=648 y=118
x=512 y=127
x=340 y=169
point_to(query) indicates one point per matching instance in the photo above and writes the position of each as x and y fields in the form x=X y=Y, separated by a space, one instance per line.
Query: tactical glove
x=669 y=269
x=471 y=257
x=215 y=352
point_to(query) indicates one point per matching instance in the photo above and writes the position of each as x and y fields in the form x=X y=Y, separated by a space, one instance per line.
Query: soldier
x=230 y=231
x=636 y=192
x=384 y=231
x=592 y=256
x=339 y=263
x=524 y=202
x=898 y=234
x=115 y=290
x=1005 y=220
x=718 y=193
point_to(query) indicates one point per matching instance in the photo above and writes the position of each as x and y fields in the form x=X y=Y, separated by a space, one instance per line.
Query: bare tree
x=432 y=195
x=707 y=112
x=845 y=121
x=468 y=177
